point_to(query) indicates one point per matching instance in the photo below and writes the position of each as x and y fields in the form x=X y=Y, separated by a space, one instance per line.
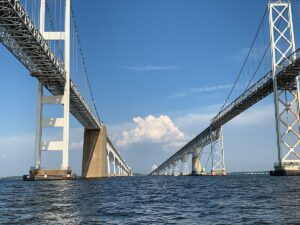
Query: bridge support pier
x=184 y=165
x=170 y=170
x=217 y=154
x=166 y=171
x=94 y=161
x=175 y=169
x=196 y=164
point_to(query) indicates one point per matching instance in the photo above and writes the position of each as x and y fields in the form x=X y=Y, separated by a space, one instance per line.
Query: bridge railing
x=287 y=62
x=94 y=123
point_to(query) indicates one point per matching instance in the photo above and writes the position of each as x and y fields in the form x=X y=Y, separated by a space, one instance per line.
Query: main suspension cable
x=244 y=64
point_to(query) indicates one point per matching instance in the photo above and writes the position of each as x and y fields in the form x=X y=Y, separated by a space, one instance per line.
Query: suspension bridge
x=43 y=35
x=280 y=77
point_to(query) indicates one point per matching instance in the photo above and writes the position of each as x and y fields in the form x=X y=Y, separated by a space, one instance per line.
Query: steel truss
x=217 y=154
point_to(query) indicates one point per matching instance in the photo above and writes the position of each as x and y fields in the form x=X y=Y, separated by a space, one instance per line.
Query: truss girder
x=20 y=36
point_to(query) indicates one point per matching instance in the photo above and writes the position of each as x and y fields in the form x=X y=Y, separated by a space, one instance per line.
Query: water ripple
x=152 y=200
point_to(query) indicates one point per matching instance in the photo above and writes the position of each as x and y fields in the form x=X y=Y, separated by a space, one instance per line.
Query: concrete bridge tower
x=63 y=99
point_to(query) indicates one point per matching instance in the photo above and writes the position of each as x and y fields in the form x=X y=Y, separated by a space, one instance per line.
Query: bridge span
x=282 y=81
x=32 y=47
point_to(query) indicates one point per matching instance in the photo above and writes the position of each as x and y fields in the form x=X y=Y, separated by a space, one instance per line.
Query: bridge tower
x=64 y=99
x=217 y=153
x=286 y=96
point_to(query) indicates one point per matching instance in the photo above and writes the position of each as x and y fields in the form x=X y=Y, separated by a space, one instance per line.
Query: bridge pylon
x=217 y=153
x=286 y=95
x=63 y=99
x=196 y=164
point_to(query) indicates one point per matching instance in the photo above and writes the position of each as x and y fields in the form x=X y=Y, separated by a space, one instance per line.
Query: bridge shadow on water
x=234 y=199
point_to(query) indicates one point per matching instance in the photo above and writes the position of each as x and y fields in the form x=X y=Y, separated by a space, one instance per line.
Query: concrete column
x=184 y=165
x=119 y=170
x=65 y=157
x=94 y=163
x=108 y=164
x=175 y=168
x=114 y=165
x=196 y=165
x=38 y=132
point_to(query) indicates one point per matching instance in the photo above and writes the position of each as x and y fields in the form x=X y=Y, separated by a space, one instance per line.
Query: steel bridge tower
x=286 y=94
x=217 y=153
x=64 y=100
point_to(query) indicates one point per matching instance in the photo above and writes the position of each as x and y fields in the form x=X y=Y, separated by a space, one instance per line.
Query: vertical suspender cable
x=83 y=62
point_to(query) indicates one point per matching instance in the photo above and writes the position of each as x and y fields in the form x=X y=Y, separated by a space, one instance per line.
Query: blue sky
x=146 y=59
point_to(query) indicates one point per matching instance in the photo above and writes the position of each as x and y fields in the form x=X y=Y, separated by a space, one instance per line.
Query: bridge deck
x=22 y=38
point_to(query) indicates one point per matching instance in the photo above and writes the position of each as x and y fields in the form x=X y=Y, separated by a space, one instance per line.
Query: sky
x=160 y=70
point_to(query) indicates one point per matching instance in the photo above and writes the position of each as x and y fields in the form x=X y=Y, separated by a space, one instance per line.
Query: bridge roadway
x=286 y=73
x=20 y=36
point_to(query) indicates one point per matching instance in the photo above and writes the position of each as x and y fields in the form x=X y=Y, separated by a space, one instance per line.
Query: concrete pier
x=218 y=173
x=286 y=169
x=196 y=165
x=42 y=174
x=94 y=161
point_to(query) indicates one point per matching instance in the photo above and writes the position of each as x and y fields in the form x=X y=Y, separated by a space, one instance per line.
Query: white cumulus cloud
x=153 y=130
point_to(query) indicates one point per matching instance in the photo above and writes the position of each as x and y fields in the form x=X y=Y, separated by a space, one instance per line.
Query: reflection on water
x=152 y=200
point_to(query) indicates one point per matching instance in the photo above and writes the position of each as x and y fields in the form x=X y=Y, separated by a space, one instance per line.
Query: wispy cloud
x=151 y=67
x=191 y=91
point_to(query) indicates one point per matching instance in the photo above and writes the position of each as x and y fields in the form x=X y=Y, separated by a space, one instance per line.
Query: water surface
x=153 y=200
